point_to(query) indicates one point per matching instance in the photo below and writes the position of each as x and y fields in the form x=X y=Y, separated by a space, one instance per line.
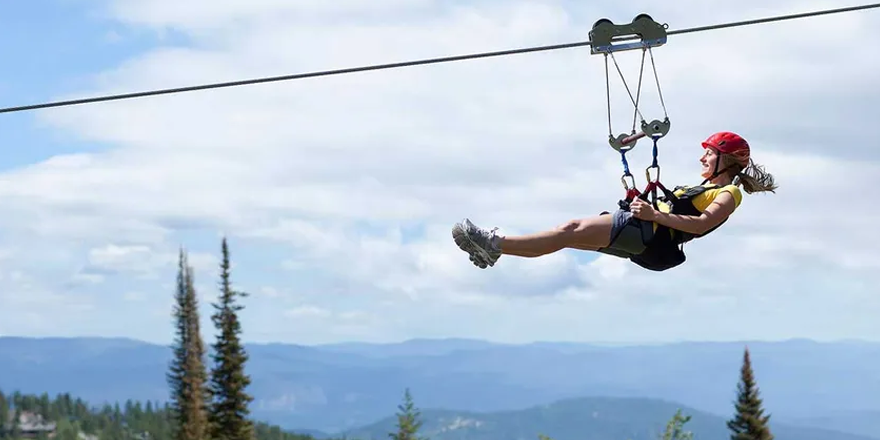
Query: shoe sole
x=479 y=257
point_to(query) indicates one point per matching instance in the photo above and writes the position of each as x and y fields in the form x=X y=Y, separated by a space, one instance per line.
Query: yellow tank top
x=703 y=200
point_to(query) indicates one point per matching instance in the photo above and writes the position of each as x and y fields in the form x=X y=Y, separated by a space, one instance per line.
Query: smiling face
x=708 y=160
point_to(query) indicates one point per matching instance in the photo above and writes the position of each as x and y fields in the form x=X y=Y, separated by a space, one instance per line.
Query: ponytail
x=753 y=178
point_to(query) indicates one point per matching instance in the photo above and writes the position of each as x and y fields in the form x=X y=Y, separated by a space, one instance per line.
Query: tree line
x=66 y=417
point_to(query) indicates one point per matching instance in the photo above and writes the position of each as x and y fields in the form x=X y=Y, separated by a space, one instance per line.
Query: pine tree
x=408 y=420
x=43 y=406
x=196 y=373
x=14 y=431
x=4 y=416
x=675 y=428
x=749 y=422
x=187 y=375
x=229 y=406
x=176 y=369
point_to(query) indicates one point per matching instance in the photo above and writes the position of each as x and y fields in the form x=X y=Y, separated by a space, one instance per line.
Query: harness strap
x=653 y=183
x=631 y=191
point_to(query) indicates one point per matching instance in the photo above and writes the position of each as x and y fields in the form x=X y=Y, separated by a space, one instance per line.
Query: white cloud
x=359 y=177
x=140 y=261
x=134 y=296
x=308 y=312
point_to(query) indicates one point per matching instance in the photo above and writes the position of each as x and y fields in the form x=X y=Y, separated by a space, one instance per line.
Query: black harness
x=665 y=246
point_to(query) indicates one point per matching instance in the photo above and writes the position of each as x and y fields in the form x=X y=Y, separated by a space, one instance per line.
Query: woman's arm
x=720 y=209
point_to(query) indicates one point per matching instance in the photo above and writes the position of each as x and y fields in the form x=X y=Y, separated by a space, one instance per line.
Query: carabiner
x=631 y=178
x=648 y=173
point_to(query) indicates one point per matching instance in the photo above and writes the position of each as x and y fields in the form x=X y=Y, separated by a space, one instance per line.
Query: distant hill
x=342 y=386
x=412 y=347
x=314 y=433
x=580 y=419
x=857 y=422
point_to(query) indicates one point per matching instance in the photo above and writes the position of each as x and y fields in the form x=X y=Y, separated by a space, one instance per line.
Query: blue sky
x=337 y=194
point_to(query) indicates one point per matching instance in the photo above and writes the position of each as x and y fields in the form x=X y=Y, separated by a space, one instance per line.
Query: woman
x=633 y=233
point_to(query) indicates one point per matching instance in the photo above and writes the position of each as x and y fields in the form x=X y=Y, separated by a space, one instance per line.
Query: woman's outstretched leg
x=485 y=247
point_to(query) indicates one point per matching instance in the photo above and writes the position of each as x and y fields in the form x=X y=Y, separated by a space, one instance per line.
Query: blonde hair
x=752 y=177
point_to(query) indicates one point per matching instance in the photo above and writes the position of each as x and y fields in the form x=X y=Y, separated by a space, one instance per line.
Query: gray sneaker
x=479 y=243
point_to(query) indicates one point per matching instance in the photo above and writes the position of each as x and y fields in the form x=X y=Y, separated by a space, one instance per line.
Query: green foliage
x=129 y=421
x=675 y=428
x=66 y=430
x=408 y=420
x=229 y=407
x=4 y=416
x=749 y=422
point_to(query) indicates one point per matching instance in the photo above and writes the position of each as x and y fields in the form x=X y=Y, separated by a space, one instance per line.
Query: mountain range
x=340 y=387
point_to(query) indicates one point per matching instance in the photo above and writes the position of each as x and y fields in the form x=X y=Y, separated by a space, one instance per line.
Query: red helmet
x=729 y=143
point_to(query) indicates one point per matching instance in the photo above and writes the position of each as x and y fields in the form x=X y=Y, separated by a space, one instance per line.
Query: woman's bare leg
x=485 y=247
x=590 y=233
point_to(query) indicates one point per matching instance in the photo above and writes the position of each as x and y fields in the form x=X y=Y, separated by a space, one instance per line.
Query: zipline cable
x=772 y=19
x=412 y=63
